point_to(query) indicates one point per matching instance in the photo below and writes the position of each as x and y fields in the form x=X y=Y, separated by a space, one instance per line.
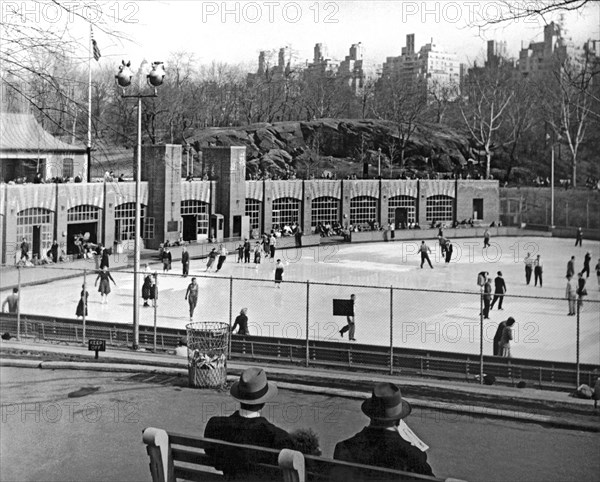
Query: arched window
x=324 y=210
x=439 y=208
x=199 y=209
x=253 y=207
x=363 y=209
x=83 y=213
x=402 y=202
x=125 y=221
x=36 y=225
x=286 y=210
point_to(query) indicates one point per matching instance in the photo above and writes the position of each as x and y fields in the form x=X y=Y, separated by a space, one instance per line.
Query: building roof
x=21 y=132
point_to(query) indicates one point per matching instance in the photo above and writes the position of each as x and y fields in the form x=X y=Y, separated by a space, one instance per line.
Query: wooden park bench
x=176 y=457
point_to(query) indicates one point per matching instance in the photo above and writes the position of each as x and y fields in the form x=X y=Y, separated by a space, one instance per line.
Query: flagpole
x=89 y=136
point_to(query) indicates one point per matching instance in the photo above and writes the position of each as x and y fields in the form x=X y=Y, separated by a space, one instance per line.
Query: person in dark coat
x=247 y=249
x=211 y=258
x=499 y=290
x=247 y=426
x=538 y=270
x=578 y=237
x=498 y=335
x=148 y=288
x=24 y=250
x=241 y=321
x=380 y=443
x=222 y=257
x=449 y=249
x=167 y=258
x=487 y=297
x=54 y=252
x=581 y=291
x=104 y=260
x=278 y=273
x=185 y=261
x=586 y=264
x=82 y=306
x=571 y=267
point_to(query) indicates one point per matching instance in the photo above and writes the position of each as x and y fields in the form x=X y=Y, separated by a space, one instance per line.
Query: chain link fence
x=400 y=330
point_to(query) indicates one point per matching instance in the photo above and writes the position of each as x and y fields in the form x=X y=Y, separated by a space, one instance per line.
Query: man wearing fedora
x=380 y=443
x=246 y=426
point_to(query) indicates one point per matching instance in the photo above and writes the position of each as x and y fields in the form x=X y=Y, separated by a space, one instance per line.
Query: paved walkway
x=529 y=404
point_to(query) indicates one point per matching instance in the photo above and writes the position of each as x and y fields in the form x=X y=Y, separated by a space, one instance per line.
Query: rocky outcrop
x=282 y=146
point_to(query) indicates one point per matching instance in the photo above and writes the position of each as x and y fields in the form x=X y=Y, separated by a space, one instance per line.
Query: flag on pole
x=96 y=50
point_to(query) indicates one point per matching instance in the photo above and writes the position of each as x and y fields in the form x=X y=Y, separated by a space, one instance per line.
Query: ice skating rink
x=423 y=313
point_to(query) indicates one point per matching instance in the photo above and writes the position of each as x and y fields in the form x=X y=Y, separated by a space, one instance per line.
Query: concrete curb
x=464 y=410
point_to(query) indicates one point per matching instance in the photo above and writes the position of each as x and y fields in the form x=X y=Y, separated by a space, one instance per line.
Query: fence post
x=307 y=356
x=587 y=214
x=391 y=330
x=481 y=337
x=567 y=214
x=19 y=303
x=84 y=303
x=155 y=306
x=230 y=316
x=579 y=303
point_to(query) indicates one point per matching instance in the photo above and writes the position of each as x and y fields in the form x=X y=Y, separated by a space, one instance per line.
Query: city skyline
x=236 y=33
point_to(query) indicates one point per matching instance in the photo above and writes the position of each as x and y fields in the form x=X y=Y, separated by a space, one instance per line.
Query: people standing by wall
x=257 y=253
x=571 y=294
x=104 y=288
x=54 y=251
x=185 y=261
x=528 y=267
x=240 y=252
x=191 y=295
x=499 y=291
x=247 y=249
x=272 y=245
x=538 y=269
x=24 y=250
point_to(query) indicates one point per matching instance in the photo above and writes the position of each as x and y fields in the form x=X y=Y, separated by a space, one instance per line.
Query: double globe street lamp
x=123 y=80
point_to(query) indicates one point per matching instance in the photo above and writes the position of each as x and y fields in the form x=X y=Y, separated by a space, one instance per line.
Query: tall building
x=541 y=57
x=270 y=72
x=432 y=67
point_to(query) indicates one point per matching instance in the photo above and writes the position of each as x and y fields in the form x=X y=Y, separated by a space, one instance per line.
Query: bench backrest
x=181 y=457
x=175 y=456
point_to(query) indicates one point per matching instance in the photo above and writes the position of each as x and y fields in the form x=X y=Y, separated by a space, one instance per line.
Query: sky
x=236 y=31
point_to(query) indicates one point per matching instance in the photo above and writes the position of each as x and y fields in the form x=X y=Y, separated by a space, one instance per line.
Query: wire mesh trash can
x=207 y=343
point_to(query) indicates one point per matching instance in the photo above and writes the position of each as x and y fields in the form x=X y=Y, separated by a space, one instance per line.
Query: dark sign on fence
x=343 y=307
x=96 y=345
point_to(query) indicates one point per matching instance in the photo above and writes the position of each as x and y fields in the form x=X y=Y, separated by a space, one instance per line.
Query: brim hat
x=253 y=387
x=386 y=403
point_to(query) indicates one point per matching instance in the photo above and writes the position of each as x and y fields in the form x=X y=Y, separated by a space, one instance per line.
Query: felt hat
x=253 y=387
x=386 y=403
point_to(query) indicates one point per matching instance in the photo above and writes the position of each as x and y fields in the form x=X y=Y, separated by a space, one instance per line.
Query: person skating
x=528 y=267
x=148 y=288
x=247 y=249
x=191 y=295
x=581 y=291
x=211 y=258
x=571 y=294
x=425 y=250
x=278 y=273
x=185 y=261
x=487 y=297
x=449 y=249
x=222 y=257
x=538 y=269
x=499 y=291
x=350 y=327
x=578 y=237
x=486 y=238
x=104 y=288
x=586 y=264
x=571 y=267
x=167 y=258
x=82 y=306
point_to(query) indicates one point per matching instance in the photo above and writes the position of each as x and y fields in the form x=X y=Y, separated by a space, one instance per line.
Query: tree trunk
x=488 y=163
x=574 y=181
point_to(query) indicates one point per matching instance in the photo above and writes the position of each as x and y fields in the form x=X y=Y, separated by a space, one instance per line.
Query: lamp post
x=123 y=80
x=379 y=162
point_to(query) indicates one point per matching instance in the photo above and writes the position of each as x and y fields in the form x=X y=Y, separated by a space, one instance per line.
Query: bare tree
x=484 y=111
